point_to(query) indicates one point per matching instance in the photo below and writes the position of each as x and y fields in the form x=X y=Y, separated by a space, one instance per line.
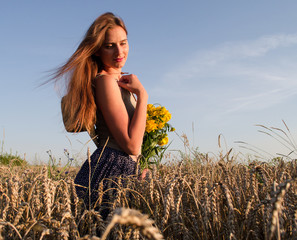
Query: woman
x=99 y=95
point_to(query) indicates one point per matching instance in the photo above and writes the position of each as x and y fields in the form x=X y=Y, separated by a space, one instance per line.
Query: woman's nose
x=118 y=49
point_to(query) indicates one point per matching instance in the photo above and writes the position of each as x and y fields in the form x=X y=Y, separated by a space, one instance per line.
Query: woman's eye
x=108 y=46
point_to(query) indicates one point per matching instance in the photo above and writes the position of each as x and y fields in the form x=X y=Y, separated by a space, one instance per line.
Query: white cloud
x=258 y=47
x=246 y=75
x=261 y=100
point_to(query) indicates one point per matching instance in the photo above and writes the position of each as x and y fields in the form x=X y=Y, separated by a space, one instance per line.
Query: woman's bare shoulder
x=105 y=79
x=107 y=90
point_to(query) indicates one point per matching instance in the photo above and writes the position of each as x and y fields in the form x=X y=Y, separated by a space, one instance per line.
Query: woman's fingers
x=124 y=79
x=130 y=82
x=128 y=78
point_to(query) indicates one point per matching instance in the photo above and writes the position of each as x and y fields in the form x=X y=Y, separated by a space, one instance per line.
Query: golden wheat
x=188 y=199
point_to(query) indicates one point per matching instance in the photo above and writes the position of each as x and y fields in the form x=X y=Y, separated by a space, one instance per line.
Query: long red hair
x=79 y=108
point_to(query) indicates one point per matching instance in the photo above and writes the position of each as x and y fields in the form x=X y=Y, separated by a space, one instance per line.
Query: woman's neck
x=113 y=72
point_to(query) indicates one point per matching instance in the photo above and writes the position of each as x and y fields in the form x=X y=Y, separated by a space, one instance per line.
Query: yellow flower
x=150 y=107
x=161 y=125
x=163 y=141
x=150 y=126
x=167 y=116
x=163 y=111
x=155 y=113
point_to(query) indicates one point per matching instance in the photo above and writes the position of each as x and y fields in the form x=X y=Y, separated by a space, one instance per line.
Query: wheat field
x=194 y=198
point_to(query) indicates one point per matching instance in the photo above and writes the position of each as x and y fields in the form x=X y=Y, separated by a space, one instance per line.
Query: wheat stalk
x=231 y=219
x=13 y=227
x=135 y=218
x=168 y=202
x=277 y=201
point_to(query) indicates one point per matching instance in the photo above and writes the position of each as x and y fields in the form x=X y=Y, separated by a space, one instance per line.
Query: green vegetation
x=55 y=169
x=11 y=159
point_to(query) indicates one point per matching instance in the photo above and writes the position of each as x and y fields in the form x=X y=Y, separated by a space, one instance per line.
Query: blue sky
x=220 y=66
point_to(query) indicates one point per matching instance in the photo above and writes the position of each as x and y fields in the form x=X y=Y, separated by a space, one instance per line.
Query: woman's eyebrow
x=126 y=39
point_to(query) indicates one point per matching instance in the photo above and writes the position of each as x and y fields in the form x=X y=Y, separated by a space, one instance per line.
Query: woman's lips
x=119 y=59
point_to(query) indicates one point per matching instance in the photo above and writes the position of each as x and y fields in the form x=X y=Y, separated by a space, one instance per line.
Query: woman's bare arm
x=127 y=132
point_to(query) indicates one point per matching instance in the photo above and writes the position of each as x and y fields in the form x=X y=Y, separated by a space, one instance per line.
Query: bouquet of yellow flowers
x=155 y=140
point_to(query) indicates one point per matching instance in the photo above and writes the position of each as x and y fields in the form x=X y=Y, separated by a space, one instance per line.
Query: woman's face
x=114 y=51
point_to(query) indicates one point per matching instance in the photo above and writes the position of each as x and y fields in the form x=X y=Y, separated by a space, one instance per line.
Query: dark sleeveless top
x=101 y=127
x=102 y=130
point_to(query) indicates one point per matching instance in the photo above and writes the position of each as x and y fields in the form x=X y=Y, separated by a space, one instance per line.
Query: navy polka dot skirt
x=109 y=164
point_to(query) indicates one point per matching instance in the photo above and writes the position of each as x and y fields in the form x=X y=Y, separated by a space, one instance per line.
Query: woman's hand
x=132 y=84
x=144 y=174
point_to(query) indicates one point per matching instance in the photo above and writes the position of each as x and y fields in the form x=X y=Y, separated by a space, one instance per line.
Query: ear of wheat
x=136 y=219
